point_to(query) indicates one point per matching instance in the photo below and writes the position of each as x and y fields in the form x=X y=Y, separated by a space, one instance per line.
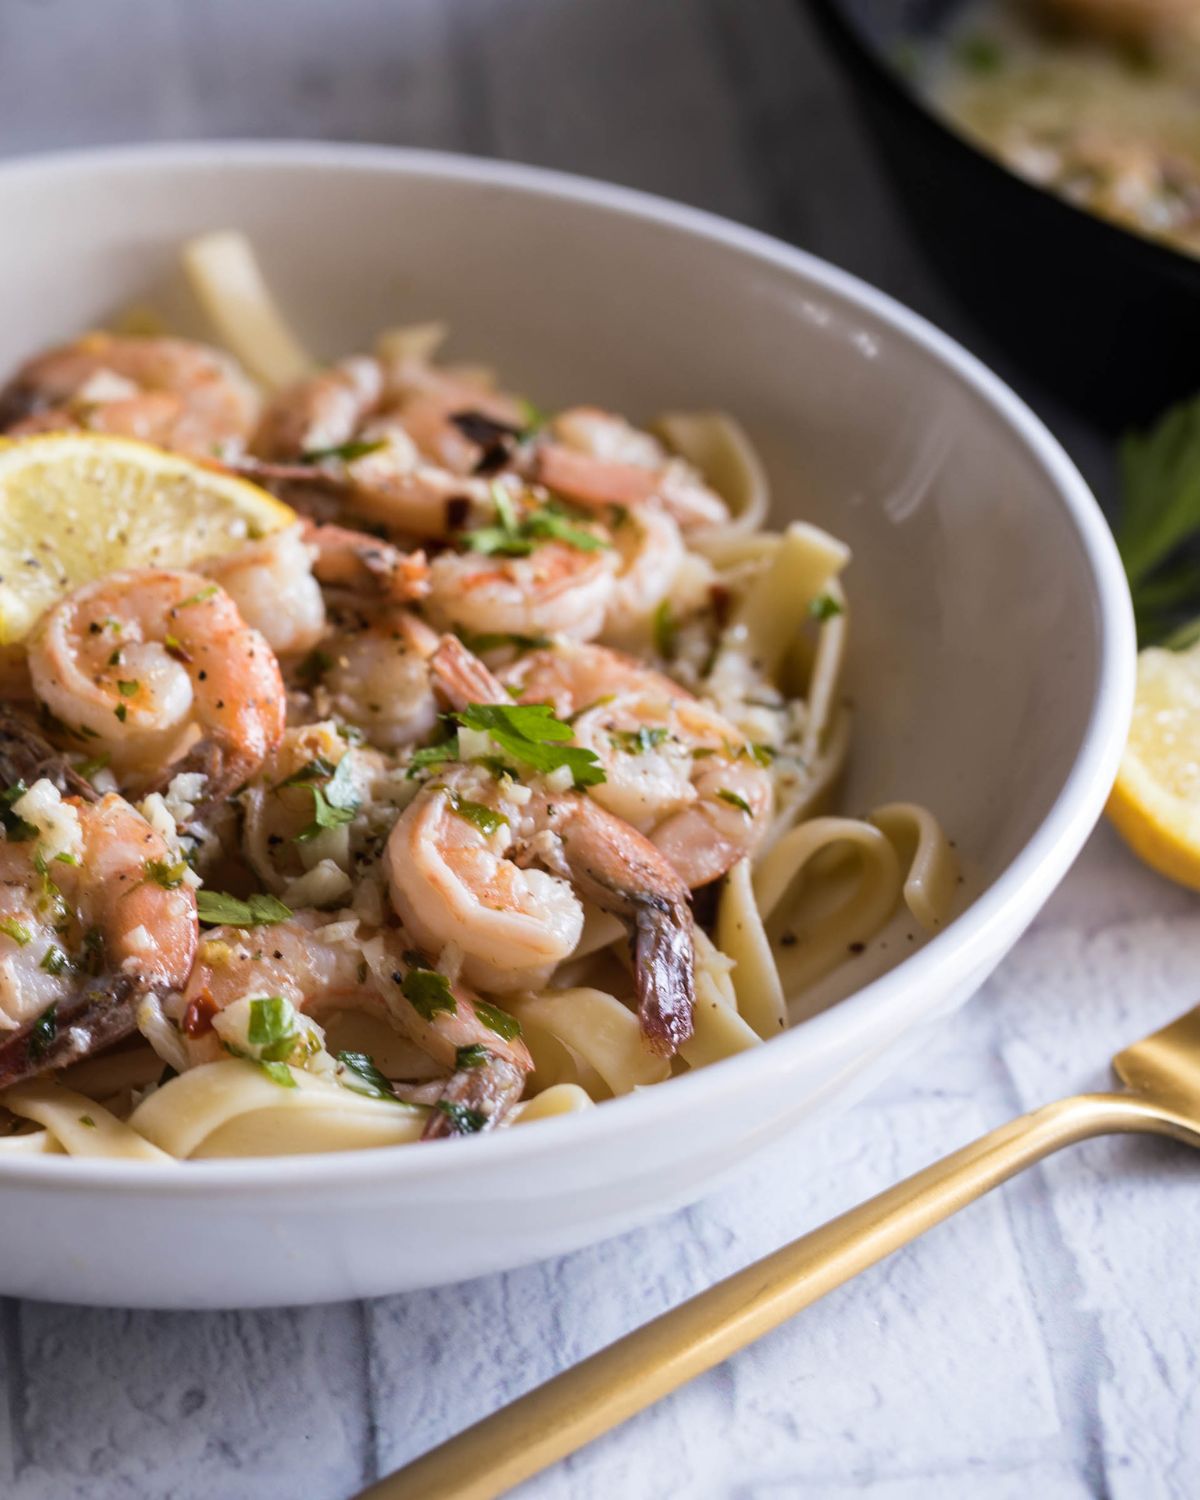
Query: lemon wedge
x=75 y=506
x=1155 y=803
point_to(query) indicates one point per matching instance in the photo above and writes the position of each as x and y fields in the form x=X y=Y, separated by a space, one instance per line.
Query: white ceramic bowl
x=992 y=663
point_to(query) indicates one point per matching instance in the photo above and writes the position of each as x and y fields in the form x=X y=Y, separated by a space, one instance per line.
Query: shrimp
x=596 y=458
x=376 y=677
x=93 y=917
x=172 y=392
x=556 y=588
x=461 y=872
x=320 y=977
x=650 y=550
x=675 y=768
x=272 y=584
x=152 y=666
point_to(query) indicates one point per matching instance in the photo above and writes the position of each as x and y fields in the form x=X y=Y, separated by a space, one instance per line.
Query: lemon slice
x=1155 y=803
x=76 y=506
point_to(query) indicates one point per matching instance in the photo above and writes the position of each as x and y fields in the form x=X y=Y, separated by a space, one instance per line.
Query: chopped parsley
x=218 y=909
x=42 y=1032
x=175 y=647
x=88 y=768
x=486 y=819
x=464 y=1119
x=761 y=755
x=493 y=640
x=88 y=1121
x=334 y=799
x=200 y=597
x=19 y=933
x=735 y=801
x=638 y=741
x=54 y=960
x=344 y=453
x=433 y=755
x=361 y=1075
x=16 y=828
x=666 y=630
x=121 y=712
x=531 y=735
x=474 y=1056
x=505 y=1026
x=511 y=535
x=272 y=1028
x=824 y=607
x=428 y=992
x=166 y=873
x=277 y=1072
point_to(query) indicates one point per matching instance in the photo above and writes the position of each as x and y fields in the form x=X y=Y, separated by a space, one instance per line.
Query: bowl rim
x=1141 y=249
x=1006 y=906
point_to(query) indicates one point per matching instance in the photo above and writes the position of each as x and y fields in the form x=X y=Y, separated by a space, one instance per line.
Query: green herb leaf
x=54 y=960
x=428 y=992
x=513 y=536
x=335 y=802
x=272 y=1027
x=218 y=909
x=474 y=1056
x=486 y=819
x=42 y=1032
x=344 y=453
x=530 y=733
x=824 y=607
x=88 y=1121
x=493 y=640
x=165 y=873
x=88 y=768
x=121 y=712
x=638 y=741
x=433 y=755
x=505 y=1026
x=17 y=830
x=735 y=801
x=128 y=689
x=464 y=1119
x=362 y=1076
x=200 y=597
x=278 y=1072
x=19 y=933
x=761 y=755
x=1160 y=476
x=666 y=631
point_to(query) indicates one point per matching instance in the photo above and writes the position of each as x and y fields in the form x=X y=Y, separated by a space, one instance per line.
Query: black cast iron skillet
x=1108 y=319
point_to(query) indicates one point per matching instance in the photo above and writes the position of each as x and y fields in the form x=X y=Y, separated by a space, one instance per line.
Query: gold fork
x=1162 y=1097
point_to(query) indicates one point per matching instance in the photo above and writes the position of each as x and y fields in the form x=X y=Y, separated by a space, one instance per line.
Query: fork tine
x=1166 y=1064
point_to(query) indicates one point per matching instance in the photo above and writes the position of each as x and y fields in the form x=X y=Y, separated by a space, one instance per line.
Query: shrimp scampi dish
x=490 y=777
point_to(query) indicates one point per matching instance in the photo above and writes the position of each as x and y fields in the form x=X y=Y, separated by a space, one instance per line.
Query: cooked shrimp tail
x=476 y=1098
x=103 y=1013
x=26 y=755
x=623 y=873
x=461 y=677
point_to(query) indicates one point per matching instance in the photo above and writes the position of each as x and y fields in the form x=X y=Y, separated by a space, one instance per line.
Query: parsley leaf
x=473 y=1056
x=42 y=1032
x=824 y=607
x=428 y=992
x=334 y=799
x=505 y=1026
x=735 y=801
x=433 y=755
x=464 y=1119
x=344 y=453
x=666 y=630
x=278 y=1072
x=486 y=819
x=530 y=733
x=361 y=1075
x=638 y=741
x=54 y=960
x=19 y=933
x=272 y=1027
x=514 y=536
x=219 y=909
x=1160 y=481
x=165 y=873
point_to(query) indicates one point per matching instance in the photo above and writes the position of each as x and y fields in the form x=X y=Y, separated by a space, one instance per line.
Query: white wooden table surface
x=1042 y=1344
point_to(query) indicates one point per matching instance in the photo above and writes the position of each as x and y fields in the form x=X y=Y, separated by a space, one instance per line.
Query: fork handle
x=569 y=1410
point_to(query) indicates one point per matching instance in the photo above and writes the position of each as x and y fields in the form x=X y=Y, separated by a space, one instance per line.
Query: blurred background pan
x=1106 y=318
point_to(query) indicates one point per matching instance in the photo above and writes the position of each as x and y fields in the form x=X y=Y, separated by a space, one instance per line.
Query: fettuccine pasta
x=497 y=782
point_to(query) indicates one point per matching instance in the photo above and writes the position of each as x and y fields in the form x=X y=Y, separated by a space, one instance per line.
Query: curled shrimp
x=556 y=589
x=172 y=392
x=675 y=768
x=320 y=977
x=150 y=666
x=462 y=874
x=596 y=458
x=94 y=915
x=375 y=675
x=650 y=551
